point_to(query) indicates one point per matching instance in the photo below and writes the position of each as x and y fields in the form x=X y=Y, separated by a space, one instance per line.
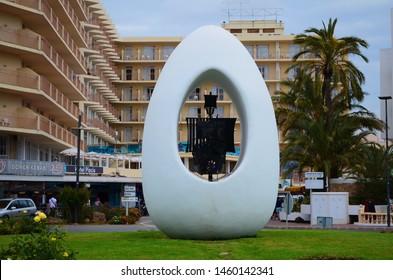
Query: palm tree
x=374 y=161
x=371 y=174
x=332 y=144
x=331 y=62
x=322 y=122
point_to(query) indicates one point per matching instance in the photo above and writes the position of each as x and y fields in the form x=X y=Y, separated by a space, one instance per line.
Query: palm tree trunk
x=327 y=92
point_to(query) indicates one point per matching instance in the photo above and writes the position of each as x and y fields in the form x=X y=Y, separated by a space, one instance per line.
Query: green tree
x=331 y=62
x=320 y=116
x=73 y=201
x=372 y=174
x=332 y=144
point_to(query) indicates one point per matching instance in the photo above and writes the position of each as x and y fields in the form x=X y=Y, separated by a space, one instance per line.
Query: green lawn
x=267 y=245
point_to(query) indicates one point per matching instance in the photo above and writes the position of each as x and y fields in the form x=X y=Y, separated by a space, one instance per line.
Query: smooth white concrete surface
x=181 y=204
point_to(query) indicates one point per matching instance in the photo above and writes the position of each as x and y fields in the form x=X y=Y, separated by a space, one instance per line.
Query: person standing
x=52 y=202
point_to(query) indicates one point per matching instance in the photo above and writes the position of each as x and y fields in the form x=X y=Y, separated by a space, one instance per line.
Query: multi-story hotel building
x=64 y=59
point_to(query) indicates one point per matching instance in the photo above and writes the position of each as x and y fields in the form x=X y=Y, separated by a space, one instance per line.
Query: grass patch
x=267 y=245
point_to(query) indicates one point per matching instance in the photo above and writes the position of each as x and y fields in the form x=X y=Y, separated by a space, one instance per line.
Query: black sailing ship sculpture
x=209 y=139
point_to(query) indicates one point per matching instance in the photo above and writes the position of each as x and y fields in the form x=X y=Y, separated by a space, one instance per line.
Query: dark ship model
x=209 y=139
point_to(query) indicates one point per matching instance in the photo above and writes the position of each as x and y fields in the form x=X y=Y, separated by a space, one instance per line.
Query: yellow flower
x=37 y=219
x=65 y=254
x=24 y=211
x=41 y=214
x=53 y=239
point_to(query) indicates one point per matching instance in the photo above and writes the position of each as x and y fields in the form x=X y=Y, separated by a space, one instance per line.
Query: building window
x=219 y=112
x=250 y=50
x=236 y=31
x=149 y=73
x=31 y=151
x=167 y=51
x=195 y=94
x=293 y=72
x=127 y=94
x=148 y=52
x=264 y=69
x=219 y=92
x=3 y=147
x=128 y=53
x=147 y=93
x=292 y=50
x=128 y=114
x=262 y=51
x=194 y=112
x=268 y=30
x=253 y=30
x=128 y=73
x=128 y=134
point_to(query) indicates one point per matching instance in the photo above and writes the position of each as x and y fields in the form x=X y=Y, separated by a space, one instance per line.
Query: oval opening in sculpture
x=226 y=121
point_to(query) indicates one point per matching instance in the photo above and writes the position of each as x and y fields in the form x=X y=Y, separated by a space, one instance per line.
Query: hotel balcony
x=36 y=52
x=70 y=18
x=138 y=76
x=133 y=119
x=103 y=107
x=100 y=129
x=37 y=90
x=279 y=56
x=39 y=128
x=38 y=16
x=102 y=85
x=80 y=8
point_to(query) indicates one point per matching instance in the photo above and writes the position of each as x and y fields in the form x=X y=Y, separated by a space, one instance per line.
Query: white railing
x=374 y=218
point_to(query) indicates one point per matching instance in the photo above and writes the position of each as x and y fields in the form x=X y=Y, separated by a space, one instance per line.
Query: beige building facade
x=64 y=59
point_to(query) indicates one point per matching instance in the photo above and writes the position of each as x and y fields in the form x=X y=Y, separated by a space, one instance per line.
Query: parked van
x=14 y=207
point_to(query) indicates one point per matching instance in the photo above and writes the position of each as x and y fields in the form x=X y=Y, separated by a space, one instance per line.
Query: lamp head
x=210 y=104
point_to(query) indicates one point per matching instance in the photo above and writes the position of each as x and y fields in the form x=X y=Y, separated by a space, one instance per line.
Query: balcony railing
x=95 y=21
x=104 y=103
x=133 y=118
x=39 y=83
x=276 y=56
x=106 y=82
x=34 y=41
x=140 y=55
x=37 y=123
x=43 y=6
x=374 y=218
x=103 y=127
x=137 y=75
x=72 y=14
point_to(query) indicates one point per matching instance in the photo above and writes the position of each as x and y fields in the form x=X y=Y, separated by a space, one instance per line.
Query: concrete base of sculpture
x=181 y=204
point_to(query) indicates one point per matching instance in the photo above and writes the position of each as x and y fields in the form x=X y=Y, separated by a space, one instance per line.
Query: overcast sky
x=366 y=19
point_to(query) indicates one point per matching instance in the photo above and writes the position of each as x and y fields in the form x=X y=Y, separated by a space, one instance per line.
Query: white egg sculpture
x=186 y=206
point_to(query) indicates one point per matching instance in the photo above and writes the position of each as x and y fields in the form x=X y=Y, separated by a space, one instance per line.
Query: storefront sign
x=85 y=169
x=31 y=168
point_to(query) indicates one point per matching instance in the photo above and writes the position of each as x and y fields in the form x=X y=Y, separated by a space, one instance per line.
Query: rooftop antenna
x=234 y=8
x=239 y=10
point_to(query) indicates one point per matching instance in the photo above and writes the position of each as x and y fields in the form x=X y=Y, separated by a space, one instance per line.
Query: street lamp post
x=386 y=98
x=115 y=152
x=78 y=152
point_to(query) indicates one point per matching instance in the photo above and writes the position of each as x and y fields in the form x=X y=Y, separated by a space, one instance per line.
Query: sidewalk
x=145 y=223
